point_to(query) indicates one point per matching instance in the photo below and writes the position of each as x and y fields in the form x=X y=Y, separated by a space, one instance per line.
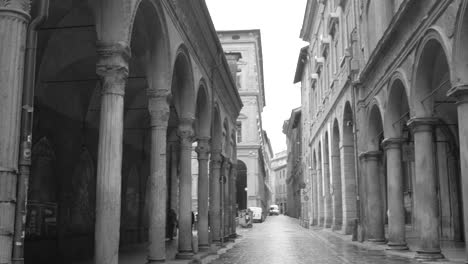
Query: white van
x=274 y=209
x=257 y=214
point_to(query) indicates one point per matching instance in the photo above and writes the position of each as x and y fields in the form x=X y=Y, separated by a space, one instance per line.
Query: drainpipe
x=26 y=131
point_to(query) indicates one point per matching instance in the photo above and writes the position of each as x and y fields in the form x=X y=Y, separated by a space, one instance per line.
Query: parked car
x=257 y=214
x=274 y=209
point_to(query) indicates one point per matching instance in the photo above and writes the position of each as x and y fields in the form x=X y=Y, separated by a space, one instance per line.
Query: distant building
x=252 y=150
x=279 y=167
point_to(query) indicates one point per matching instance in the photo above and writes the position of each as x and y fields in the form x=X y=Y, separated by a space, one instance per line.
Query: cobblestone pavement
x=281 y=240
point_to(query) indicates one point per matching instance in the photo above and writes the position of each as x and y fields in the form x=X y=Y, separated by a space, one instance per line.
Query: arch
x=203 y=111
x=397 y=110
x=433 y=50
x=241 y=185
x=375 y=125
x=460 y=54
x=183 y=93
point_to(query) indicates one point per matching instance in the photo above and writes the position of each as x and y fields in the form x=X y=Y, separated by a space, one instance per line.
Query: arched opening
x=375 y=178
x=348 y=177
x=241 y=185
x=432 y=84
x=336 y=188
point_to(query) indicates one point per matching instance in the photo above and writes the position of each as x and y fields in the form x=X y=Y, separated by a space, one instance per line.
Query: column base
x=233 y=236
x=396 y=246
x=377 y=241
x=336 y=227
x=203 y=248
x=151 y=261
x=429 y=255
x=184 y=254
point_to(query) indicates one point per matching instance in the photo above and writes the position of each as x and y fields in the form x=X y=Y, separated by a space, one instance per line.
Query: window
x=239 y=131
x=238 y=80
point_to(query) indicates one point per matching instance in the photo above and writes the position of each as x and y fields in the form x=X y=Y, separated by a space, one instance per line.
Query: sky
x=280 y=23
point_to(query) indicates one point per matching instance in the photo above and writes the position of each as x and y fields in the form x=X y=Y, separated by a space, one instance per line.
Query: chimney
x=232 y=59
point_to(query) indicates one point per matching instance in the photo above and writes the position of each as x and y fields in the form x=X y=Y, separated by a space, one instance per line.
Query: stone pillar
x=396 y=210
x=327 y=203
x=202 y=150
x=14 y=18
x=185 y=132
x=174 y=171
x=320 y=203
x=336 y=193
x=426 y=203
x=375 y=221
x=225 y=198
x=215 y=201
x=112 y=67
x=314 y=197
x=461 y=93
x=233 y=200
x=157 y=182
x=348 y=188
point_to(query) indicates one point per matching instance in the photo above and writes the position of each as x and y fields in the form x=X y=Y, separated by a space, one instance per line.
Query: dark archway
x=241 y=185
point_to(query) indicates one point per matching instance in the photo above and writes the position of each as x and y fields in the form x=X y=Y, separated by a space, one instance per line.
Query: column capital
x=419 y=124
x=21 y=7
x=216 y=159
x=158 y=107
x=460 y=92
x=203 y=148
x=370 y=155
x=185 y=132
x=392 y=143
x=112 y=66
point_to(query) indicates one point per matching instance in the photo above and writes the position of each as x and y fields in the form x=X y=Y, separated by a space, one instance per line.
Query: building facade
x=295 y=180
x=120 y=91
x=279 y=167
x=384 y=101
x=251 y=143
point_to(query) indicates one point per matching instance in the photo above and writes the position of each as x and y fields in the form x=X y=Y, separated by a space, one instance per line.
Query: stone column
x=215 y=197
x=320 y=203
x=185 y=132
x=426 y=203
x=112 y=67
x=314 y=196
x=202 y=150
x=337 y=194
x=14 y=18
x=233 y=178
x=157 y=182
x=225 y=198
x=396 y=210
x=327 y=203
x=348 y=188
x=461 y=93
x=174 y=171
x=375 y=221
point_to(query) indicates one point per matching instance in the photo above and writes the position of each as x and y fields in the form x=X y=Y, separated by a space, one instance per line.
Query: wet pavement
x=280 y=239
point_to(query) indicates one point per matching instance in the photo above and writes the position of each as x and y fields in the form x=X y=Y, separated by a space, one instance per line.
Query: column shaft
x=113 y=69
x=337 y=194
x=203 y=236
x=375 y=221
x=396 y=210
x=185 y=133
x=157 y=191
x=327 y=202
x=13 y=25
x=226 y=207
x=348 y=188
x=426 y=203
x=233 y=200
x=174 y=176
x=215 y=197
x=320 y=200
x=461 y=93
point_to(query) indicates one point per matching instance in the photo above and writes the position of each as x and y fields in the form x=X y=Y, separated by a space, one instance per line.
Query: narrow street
x=281 y=240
